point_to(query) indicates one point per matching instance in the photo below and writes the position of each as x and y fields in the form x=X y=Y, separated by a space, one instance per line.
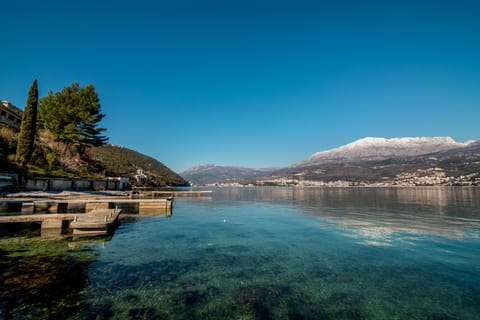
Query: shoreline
x=63 y=195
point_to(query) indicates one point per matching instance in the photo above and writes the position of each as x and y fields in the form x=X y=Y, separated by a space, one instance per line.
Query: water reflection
x=377 y=213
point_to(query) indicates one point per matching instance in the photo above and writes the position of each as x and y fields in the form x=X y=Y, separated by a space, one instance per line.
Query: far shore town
x=420 y=177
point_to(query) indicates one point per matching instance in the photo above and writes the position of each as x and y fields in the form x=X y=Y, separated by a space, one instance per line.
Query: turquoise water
x=266 y=253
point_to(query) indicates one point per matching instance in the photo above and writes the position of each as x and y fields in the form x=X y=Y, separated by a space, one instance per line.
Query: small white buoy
x=224 y=220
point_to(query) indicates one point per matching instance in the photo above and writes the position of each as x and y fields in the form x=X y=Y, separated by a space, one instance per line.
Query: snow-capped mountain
x=367 y=159
x=381 y=148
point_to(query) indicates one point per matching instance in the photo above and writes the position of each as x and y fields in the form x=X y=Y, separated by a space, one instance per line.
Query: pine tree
x=73 y=115
x=28 y=127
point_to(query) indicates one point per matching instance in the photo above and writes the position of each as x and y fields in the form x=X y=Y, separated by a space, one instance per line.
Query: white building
x=10 y=115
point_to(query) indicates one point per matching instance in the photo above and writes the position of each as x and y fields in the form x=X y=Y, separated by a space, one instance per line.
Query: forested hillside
x=119 y=161
x=52 y=159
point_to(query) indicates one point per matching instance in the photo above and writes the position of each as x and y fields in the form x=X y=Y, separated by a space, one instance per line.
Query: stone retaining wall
x=58 y=184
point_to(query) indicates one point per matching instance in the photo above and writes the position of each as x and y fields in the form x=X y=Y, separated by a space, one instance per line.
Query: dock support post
x=51 y=228
x=28 y=207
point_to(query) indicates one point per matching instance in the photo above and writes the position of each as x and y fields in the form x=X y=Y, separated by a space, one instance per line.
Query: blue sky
x=252 y=83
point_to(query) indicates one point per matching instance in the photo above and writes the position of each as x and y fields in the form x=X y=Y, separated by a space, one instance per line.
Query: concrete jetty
x=144 y=193
x=94 y=223
x=84 y=216
x=86 y=205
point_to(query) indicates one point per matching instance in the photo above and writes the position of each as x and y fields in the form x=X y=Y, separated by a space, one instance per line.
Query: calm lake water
x=262 y=253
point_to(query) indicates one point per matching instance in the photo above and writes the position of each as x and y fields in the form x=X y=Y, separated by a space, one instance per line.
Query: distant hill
x=210 y=173
x=120 y=161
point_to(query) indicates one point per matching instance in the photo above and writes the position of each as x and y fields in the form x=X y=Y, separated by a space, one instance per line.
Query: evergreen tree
x=72 y=115
x=28 y=127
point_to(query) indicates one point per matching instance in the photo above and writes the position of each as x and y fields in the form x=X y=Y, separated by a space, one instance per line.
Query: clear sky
x=252 y=83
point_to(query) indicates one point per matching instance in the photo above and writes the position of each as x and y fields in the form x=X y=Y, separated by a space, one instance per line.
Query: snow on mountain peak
x=373 y=148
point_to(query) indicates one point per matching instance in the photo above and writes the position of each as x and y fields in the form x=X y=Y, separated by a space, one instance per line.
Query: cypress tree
x=28 y=128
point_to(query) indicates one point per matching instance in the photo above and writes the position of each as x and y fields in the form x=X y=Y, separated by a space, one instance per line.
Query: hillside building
x=10 y=115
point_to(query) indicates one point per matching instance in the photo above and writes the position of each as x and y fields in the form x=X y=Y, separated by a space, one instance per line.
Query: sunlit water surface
x=266 y=253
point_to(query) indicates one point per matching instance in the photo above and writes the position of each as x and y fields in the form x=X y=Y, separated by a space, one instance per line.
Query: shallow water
x=266 y=253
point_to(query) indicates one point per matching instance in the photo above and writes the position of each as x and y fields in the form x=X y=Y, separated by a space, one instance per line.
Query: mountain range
x=369 y=159
x=381 y=149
